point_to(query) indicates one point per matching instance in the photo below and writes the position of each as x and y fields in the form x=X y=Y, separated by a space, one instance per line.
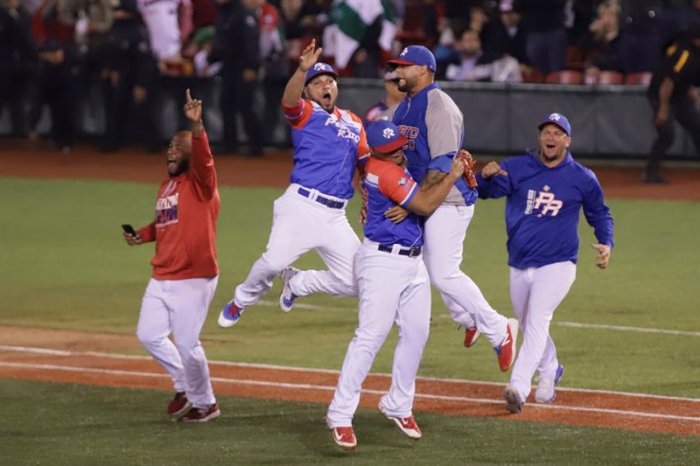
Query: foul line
x=328 y=388
x=249 y=365
x=622 y=328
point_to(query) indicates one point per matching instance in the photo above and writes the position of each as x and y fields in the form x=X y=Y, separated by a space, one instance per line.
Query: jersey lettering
x=411 y=132
x=343 y=131
x=544 y=201
x=166 y=210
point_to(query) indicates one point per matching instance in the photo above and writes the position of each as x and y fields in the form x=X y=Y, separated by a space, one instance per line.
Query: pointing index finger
x=188 y=96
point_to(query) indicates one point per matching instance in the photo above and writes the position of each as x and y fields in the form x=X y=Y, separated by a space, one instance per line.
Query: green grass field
x=66 y=266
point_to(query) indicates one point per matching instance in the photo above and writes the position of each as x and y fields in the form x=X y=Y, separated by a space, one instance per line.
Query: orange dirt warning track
x=69 y=359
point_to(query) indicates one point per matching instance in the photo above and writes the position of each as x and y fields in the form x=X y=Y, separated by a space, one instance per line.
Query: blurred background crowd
x=137 y=51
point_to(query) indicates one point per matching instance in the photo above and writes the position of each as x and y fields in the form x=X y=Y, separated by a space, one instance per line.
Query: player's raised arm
x=201 y=160
x=295 y=86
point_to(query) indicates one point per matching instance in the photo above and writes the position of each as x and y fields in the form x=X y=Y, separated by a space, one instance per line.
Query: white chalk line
x=328 y=388
x=445 y=315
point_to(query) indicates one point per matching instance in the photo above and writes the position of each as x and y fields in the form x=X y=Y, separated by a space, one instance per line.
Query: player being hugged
x=544 y=195
x=393 y=285
x=434 y=125
x=185 y=270
x=329 y=142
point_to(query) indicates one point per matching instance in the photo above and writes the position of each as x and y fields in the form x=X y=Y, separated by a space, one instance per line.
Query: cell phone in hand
x=128 y=229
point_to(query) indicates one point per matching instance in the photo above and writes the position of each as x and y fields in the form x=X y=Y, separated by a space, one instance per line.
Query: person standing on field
x=544 y=194
x=434 y=126
x=185 y=270
x=393 y=285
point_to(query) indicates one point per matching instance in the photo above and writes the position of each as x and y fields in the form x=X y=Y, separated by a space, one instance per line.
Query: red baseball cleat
x=471 y=334
x=178 y=406
x=506 y=352
x=344 y=437
x=202 y=414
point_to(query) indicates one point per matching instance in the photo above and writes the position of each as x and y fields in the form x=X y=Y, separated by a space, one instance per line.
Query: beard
x=182 y=166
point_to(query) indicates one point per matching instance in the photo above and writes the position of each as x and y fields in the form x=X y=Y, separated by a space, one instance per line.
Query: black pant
x=125 y=120
x=688 y=115
x=53 y=89
x=237 y=97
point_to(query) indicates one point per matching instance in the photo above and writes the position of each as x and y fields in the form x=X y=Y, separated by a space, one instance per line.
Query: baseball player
x=392 y=97
x=185 y=271
x=433 y=124
x=393 y=285
x=329 y=142
x=544 y=194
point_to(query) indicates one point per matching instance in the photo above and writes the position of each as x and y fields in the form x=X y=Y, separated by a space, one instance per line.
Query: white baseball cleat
x=230 y=315
x=546 y=392
x=287 y=297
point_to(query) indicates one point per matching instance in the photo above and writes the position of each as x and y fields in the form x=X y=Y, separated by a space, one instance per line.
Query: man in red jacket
x=185 y=270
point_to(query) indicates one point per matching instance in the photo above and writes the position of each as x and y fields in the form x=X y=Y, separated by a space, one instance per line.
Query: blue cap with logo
x=318 y=69
x=559 y=120
x=384 y=137
x=416 y=55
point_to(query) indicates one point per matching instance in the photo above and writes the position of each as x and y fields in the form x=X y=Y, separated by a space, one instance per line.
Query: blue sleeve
x=496 y=186
x=597 y=212
x=443 y=164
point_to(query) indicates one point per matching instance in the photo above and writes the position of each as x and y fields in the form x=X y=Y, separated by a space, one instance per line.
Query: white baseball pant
x=536 y=292
x=393 y=289
x=300 y=224
x=179 y=307
x=445 y=231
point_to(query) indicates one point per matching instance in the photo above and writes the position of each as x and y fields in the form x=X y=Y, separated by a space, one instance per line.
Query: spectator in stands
x=92 y=19
x=505 y=36
x=237 y=45
x=274 y=70
x=17 y=57
x=475 y=65
x=602 y=47
x=52 y=87
x=202 y=43
x=382 y=109
x=546 y=40
x=169 y=23
x=640 y=39
x=128 y=75
x=673 y=97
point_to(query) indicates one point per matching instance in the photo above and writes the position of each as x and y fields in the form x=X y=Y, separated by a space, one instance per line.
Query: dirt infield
x=78 y=357
x=25 y=160
x=75 y=357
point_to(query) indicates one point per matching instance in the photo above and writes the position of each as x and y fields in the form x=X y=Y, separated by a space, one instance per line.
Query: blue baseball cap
x=559 y=120
x=384 y=137
x=416 y=55
x=318 y=69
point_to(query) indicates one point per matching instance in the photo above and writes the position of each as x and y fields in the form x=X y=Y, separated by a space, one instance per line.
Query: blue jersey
x=542 y=209
x=435 y=128
x=388 y=185
x=327 y=147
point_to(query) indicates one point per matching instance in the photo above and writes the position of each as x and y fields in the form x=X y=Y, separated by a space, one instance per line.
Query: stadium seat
x=574 y=58
x=610 y=77
x=643 y=78
x=531 y=75
x=565 y=77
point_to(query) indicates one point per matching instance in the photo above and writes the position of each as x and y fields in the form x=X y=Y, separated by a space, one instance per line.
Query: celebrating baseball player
x=393 y=285
x=329 y=142
x=544 y=194
x=433 y=124
x=185 y=271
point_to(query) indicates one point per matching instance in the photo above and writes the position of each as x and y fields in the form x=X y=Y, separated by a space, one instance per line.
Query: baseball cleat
x=344 y=437
x=287 y=297
x=178 y=406
x=546 y=392
x=202 y=414
x=471 y=334
x=514 y=404
x=230 y=315
x=407 y=425
x=506 y=351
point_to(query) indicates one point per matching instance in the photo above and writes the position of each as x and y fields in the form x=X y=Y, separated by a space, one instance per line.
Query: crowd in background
x=135 y=51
